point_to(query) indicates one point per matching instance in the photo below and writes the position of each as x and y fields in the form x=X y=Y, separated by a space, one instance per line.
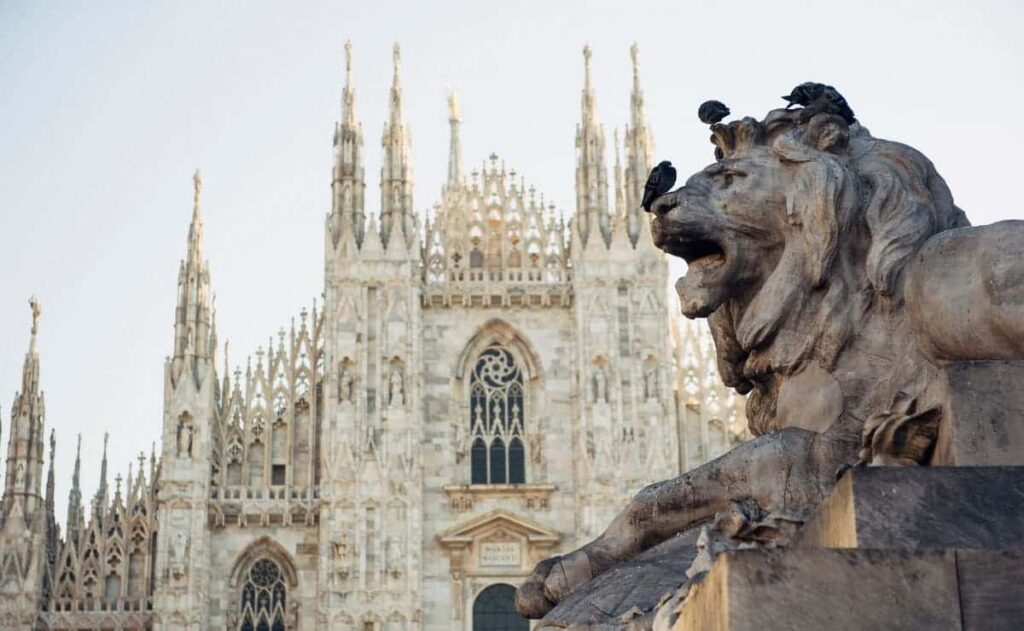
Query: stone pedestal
x=839 y=590
x=983 y=414
x=762 y=590
x=922 y=508
x=891 y=548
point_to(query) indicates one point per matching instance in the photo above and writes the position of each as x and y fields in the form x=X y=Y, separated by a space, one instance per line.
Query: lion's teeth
x=711 y=260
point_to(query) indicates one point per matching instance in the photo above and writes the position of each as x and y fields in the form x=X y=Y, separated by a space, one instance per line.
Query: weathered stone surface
x=839 y=590
x=629 y=592
x=991 y=589
x=917 y=508
x=983 y=419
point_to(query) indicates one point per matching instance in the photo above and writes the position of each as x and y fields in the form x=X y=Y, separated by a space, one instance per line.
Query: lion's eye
x=728 y=177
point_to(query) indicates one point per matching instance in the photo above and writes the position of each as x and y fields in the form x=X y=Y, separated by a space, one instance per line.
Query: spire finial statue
x=453 y=106
x=396 y=53
x=348 y=62
x=587 y=54
x=634 y=53
x=37 y=310
x=197 y=191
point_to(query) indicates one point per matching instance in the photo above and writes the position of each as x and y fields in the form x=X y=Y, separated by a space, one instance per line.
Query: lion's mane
x=863 y=207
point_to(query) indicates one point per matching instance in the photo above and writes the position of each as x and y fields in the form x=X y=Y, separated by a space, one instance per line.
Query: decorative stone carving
x=651 y=381
x=837 y=276
x=536 y=443
x=346 y=381
x=396 y=388
x=463 y=497
x=184 y=437
x=178 y=556
x=600 y=386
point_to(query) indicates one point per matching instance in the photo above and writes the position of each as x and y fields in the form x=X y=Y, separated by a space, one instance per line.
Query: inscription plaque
x=500 y=553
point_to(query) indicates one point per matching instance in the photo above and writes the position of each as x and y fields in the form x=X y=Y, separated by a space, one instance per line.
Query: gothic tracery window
x=262 y=606
x=496 y=406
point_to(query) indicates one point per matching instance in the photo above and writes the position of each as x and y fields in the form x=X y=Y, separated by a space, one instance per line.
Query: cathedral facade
x=474 y=392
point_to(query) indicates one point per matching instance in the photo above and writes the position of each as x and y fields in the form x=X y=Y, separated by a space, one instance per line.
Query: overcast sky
x=107 y=108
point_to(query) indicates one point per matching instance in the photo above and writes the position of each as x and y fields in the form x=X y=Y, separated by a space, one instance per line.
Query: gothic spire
x=589 y=102
x=639 y=148
x=620 y=201
x=348 y=110
x=30 y=371
x=25 y=435
x=100 y=499
x=591 y=174
x=396 y=170
x=195 y=229
x=49 y=475
x=52 y=531
x=349 y=183
x=455 y=171
x=395 y=114
x=76 y=516
x=192 y=316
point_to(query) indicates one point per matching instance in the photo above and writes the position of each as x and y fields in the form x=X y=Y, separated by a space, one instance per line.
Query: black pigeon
x=659 y=182
x=820 y=98
x=710 y=112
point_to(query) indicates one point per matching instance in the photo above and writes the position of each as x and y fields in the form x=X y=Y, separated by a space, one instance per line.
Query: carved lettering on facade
x=500 y=553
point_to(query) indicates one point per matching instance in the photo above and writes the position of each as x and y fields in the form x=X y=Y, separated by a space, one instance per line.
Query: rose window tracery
x=497 y=406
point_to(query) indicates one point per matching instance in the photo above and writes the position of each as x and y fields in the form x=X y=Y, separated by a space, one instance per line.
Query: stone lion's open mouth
x=694 y=237
x=698 y=253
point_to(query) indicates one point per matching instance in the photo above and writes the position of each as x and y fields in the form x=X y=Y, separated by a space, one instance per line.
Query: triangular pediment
x=499 y=519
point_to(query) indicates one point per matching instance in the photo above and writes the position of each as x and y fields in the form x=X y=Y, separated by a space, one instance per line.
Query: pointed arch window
x=263 y=599
x=496 y=405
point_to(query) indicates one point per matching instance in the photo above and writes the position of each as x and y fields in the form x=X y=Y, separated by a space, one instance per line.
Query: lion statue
x=838 y=277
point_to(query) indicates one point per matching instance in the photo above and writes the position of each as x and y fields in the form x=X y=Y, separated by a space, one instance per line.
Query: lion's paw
x=551 y=582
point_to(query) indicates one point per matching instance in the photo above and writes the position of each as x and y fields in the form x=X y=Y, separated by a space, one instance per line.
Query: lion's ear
x=827 y=132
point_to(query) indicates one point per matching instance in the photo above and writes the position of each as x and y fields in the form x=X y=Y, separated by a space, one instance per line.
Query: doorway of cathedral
x=495 y=610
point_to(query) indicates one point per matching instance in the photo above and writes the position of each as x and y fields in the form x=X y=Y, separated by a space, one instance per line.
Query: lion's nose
x=663 y=205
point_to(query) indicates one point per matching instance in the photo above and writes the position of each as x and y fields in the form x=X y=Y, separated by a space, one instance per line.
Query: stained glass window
x=496 y=404
x=263 y=603
x=495 y=610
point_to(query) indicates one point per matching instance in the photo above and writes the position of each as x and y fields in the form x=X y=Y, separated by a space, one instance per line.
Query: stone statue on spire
x=197 y=182
x=453 y=106
x=37 y=310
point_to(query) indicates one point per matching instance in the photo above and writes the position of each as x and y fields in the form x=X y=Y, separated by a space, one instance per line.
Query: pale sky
x=107 y=108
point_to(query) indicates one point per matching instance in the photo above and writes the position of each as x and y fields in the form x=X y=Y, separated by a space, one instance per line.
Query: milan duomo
x=472 y=394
